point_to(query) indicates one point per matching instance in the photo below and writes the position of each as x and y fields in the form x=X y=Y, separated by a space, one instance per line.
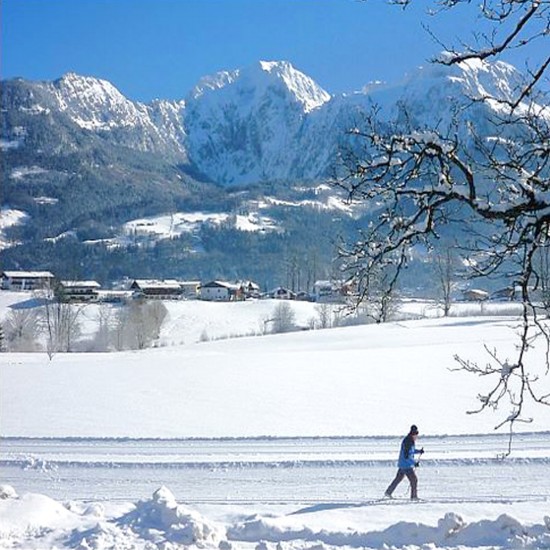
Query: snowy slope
x=350 y=381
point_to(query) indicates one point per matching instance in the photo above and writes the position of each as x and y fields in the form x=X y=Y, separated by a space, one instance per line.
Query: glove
x=421 y=451
x=416 y=464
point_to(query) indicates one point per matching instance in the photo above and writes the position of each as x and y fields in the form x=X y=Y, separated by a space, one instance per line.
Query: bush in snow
x=21 y=329
x=138 y=324
x=283 y=318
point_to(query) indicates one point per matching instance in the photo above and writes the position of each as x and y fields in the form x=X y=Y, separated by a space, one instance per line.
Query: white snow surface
x=298 y=436
x=346 y=381
x=176 y=224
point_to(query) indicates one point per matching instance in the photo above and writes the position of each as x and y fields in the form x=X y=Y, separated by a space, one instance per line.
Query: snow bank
x=36 y=521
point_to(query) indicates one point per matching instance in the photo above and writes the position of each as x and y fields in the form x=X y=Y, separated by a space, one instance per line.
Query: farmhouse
x=153 y=289
x=26 y=280
x=250 y=289
x=281 y=293
x=475 y=295
x=79 y=291
x=332 y=291
x=221 y=291
x=190 y=289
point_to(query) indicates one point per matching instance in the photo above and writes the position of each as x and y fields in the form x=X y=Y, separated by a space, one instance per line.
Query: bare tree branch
x=487 y=171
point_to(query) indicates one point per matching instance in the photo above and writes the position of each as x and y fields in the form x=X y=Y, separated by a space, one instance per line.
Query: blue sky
x=160 y=48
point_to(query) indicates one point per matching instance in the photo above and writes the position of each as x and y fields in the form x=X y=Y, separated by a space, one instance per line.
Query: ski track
x=310 y=471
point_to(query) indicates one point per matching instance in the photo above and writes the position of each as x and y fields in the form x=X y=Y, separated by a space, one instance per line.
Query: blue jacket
x=406 y=454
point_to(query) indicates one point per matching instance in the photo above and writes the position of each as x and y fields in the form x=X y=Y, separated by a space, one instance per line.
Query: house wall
x=81 y=295
x=22 y=283
x=220 y=294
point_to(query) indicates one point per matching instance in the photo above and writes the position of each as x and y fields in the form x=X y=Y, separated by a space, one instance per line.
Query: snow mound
x=103 y=536
x=155 y=523
x=163 y=519
x=31 y=515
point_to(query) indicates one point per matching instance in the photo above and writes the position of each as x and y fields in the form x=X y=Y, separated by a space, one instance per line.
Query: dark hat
x=414 y=430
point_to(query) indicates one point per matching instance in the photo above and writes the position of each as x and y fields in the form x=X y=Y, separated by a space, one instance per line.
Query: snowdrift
x=35 y=521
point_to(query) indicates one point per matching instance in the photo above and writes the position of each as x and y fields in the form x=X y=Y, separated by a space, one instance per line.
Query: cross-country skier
x=407 y=463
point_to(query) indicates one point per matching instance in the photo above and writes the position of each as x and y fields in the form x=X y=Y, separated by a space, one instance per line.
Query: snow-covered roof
x=156 y=283
x=476 y=293
x=249 y=284
x=28 y=274
x=80 y=284
x=223 y=284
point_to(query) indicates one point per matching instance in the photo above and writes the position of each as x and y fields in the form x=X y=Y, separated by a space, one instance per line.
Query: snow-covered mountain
x=266 y=122
x=95 y=104
x=272 y=122
x=245 y=126
x=97 y=107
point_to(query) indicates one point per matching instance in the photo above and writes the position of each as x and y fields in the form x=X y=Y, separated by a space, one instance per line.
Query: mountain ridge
x=253 y=124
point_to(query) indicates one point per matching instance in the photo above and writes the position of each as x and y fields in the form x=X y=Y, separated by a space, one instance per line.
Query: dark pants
x=401 y=473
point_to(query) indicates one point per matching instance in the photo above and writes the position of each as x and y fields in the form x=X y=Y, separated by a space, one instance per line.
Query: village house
x=221 y=291
x=26 y=280
x=250 y=289
x=281 y=293
x=475 y=295
x=153 y=289
x=332 y=291
x=190 y=289
x=79 y=291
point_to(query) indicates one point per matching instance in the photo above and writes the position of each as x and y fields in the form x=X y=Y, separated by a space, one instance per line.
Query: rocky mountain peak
x=254 y=81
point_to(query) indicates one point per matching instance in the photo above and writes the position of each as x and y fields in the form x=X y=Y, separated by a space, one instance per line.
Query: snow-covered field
x=284 y=441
